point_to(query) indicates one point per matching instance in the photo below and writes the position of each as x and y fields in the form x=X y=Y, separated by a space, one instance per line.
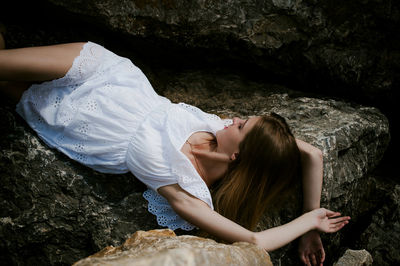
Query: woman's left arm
x=311 y=250
x=312 y=175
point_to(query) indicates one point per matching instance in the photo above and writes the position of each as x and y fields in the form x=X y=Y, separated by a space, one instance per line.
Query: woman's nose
x=237 y=120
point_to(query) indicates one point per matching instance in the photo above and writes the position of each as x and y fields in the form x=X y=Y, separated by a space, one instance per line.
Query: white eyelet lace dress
x=105 y=114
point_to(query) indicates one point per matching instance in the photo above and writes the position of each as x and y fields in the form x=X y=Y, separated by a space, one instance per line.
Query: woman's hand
x=311 y=251
x=328 y=221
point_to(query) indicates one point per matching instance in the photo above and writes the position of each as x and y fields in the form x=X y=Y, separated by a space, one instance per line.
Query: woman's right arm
x=200 y=214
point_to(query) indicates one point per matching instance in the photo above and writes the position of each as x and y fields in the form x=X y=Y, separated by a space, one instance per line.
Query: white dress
x=105 y=114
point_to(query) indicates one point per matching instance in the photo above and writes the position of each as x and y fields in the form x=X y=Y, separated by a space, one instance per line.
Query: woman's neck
x=209 y=163
x=213 y=164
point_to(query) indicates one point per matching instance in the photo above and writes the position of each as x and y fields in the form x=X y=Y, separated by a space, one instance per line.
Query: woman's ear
x=234 y=156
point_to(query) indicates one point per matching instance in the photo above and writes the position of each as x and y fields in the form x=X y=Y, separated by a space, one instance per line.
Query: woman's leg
x=38 y=63
x=19 y=68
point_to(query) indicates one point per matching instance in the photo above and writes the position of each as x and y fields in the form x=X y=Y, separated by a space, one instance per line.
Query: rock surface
x=355 y=258
x=163 y=247
x=349 y=46
x=55 y=211
x=66 y=211
x=343 y=131
x=381 y=236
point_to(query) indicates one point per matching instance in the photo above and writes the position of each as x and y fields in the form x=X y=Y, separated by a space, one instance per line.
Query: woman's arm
x=311 y=249
x=198 y=213
x=312 y=175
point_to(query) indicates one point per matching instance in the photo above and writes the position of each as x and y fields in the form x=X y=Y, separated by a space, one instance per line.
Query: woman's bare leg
x=12 y=89
x=38 y=63
x=19 y=68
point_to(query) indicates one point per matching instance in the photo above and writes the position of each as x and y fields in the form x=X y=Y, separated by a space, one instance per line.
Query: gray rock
x=67 y=211
x=352 y=137
x=381 y=237
x=55 y=211
x=350 y=46
x=355 y=258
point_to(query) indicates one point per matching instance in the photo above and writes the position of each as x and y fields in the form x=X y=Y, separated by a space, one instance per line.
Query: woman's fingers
x=338 y=223
x=330 y=213
x=322 y=255
x=332 y=225
x=303 y=259
x=313 y=259
x=339 y=219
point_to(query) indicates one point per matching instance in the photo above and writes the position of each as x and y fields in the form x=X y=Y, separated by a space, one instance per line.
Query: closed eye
x=241 y=126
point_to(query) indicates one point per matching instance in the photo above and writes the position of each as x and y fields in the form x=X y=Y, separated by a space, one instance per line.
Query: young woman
x=99 y=109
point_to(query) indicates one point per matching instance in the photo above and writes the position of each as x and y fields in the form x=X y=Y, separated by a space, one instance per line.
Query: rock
x=353 y=137
x=355 y=258
x=348 y=134
x=347 y=48
x=55 y=211
x=163 y=247
x=381 y=237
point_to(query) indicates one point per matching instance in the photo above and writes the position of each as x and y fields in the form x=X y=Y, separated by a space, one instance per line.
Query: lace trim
x=159 y=206
x=199 y=113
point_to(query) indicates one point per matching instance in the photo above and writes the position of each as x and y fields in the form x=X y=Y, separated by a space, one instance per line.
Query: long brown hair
x=266 y=169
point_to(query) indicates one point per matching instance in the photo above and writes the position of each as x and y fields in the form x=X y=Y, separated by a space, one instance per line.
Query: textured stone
x=55 y=211
x=348 y=46
x=163 y=247
x=381 y=236
x=352 y=137
x=66 y=211
x=355 y=258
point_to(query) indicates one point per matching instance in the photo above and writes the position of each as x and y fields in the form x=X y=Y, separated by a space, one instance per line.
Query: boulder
x=347 y=133
x=355 y=258
x=163 y=247
x=347 y=48
x=55 y=211
x=381 y=235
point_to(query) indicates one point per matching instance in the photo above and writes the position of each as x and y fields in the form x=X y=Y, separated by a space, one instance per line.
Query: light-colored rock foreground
x=163 y=247
x=355 y=258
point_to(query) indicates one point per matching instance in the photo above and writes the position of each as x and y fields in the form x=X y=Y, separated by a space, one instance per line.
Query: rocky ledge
x=163 y=247
x=347 y=48
x=55 y=211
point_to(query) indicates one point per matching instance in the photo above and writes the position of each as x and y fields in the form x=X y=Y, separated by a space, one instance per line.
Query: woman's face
x=229 y=138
